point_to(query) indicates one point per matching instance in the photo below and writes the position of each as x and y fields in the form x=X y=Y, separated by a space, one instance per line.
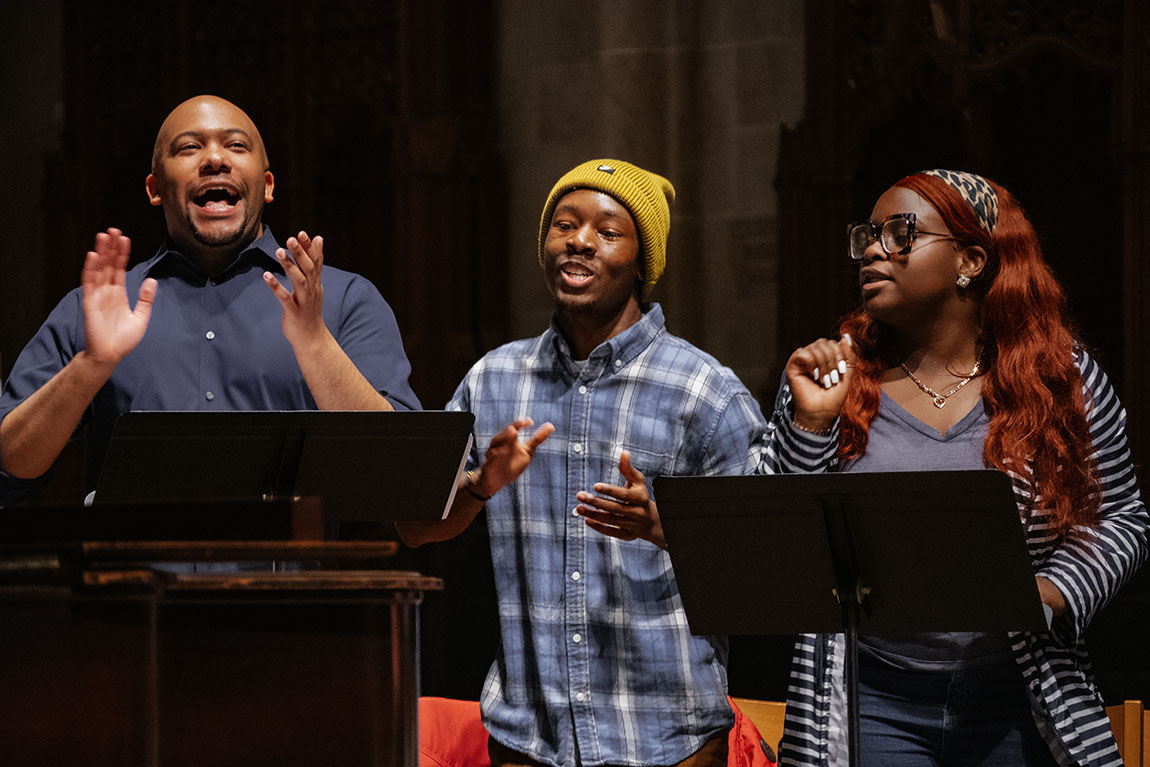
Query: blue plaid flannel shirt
x=596 y=664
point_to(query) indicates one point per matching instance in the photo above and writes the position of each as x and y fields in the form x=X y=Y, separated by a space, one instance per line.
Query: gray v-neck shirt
x=900 y=442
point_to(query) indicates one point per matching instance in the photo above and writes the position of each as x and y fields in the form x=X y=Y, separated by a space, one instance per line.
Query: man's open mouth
x=575 y=275
x=216 y=198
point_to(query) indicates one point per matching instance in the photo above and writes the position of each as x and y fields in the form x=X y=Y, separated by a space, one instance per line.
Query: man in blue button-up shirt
x=596 y=664
x=224 y=318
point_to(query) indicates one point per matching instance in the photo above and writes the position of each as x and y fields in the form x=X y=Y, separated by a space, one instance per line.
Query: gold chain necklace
x=940 y=399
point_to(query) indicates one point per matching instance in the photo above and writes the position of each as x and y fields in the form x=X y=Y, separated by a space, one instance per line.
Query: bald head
x=210 y=173
x=201 y=113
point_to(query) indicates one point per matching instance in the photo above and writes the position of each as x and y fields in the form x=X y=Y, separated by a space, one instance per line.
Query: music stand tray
x=366 y=467
x=874 y=553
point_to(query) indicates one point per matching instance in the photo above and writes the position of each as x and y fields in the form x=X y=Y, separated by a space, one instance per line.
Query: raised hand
x=111 y=328
x=34 y=433
x=819 y=376
x=625 y=512
x=507 y=456
x=303 y=306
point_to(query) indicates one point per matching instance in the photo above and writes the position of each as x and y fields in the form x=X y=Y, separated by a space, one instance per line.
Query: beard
x=217 y=239
x=218 y=235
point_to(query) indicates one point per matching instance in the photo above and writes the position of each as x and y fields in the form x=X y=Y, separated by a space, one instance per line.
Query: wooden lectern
x=106 y=661
x=110 y=657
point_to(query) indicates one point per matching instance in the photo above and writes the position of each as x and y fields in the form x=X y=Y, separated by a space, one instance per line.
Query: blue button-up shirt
x=596 y=658
x=213 y=343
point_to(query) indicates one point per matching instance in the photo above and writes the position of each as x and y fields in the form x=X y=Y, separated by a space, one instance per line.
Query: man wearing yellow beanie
x=596 y=664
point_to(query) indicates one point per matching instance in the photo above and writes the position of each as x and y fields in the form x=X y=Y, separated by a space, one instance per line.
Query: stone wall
x=697 y=91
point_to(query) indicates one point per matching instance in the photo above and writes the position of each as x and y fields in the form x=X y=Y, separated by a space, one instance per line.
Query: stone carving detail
x=1090 y=29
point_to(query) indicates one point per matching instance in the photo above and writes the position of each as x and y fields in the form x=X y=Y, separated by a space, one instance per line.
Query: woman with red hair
x=961 y=356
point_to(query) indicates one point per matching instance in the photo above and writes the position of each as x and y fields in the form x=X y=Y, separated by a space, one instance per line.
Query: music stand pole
x=851 y=606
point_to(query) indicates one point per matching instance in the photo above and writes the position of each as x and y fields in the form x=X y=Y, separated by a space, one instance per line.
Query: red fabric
x=746 y=745
x=451 y=734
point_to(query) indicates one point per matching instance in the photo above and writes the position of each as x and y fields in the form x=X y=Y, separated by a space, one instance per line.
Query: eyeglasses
x=896 y=235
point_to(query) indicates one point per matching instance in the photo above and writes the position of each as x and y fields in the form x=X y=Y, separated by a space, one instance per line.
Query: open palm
x=111 y=328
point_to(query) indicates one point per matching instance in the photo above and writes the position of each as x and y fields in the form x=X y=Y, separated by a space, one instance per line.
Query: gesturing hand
x=111 y=328
x=303 y=306
x=507 y=457
x=819 y=376
x=625 y=512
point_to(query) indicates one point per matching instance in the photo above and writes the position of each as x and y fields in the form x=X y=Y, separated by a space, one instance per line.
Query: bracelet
x=819 y=432
x=471 y=490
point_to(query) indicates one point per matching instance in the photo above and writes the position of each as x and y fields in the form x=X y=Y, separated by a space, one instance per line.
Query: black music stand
x=847 y=553
x=368 y=468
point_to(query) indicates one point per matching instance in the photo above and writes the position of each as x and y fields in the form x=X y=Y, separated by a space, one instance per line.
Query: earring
x=962 y=280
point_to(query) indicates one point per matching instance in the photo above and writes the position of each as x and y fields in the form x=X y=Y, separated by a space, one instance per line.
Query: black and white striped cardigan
x=1088 y=569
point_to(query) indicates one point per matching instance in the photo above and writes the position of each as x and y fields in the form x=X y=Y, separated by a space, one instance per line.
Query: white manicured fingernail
x=827 y=381
x=847 y=338
x=834 y=376
x=815 y=375
x=843 y=367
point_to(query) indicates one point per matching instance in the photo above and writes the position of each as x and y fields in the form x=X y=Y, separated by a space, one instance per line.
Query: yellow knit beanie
x=645 y=195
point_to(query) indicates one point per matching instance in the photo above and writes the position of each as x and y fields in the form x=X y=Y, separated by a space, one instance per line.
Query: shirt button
x=575 y=576
x=577 y=638
x=575 y=512
x=210 y=335
x=580 y=697
x=577 y=448
x=582 y=389
x=209 y=396
x=618 y=363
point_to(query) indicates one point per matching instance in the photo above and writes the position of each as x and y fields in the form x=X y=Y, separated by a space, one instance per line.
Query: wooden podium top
x=267 y=581
x=116 y=546
x=235 y=551
x=307 y=580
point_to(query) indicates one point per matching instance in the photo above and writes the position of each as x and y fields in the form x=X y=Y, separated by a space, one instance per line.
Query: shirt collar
x=615 y=352
x=169 y=261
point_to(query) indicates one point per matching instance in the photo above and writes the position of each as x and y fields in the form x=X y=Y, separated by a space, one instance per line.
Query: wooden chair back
x=767 y=716
x=1131 y=725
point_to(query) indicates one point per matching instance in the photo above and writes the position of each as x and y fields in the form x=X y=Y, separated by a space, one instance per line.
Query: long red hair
x=1032 y=388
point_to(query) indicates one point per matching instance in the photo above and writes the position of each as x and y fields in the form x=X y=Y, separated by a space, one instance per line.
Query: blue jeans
x=980 y=717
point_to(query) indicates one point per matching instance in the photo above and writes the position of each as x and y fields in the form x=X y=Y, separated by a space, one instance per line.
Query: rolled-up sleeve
x=785 y=449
